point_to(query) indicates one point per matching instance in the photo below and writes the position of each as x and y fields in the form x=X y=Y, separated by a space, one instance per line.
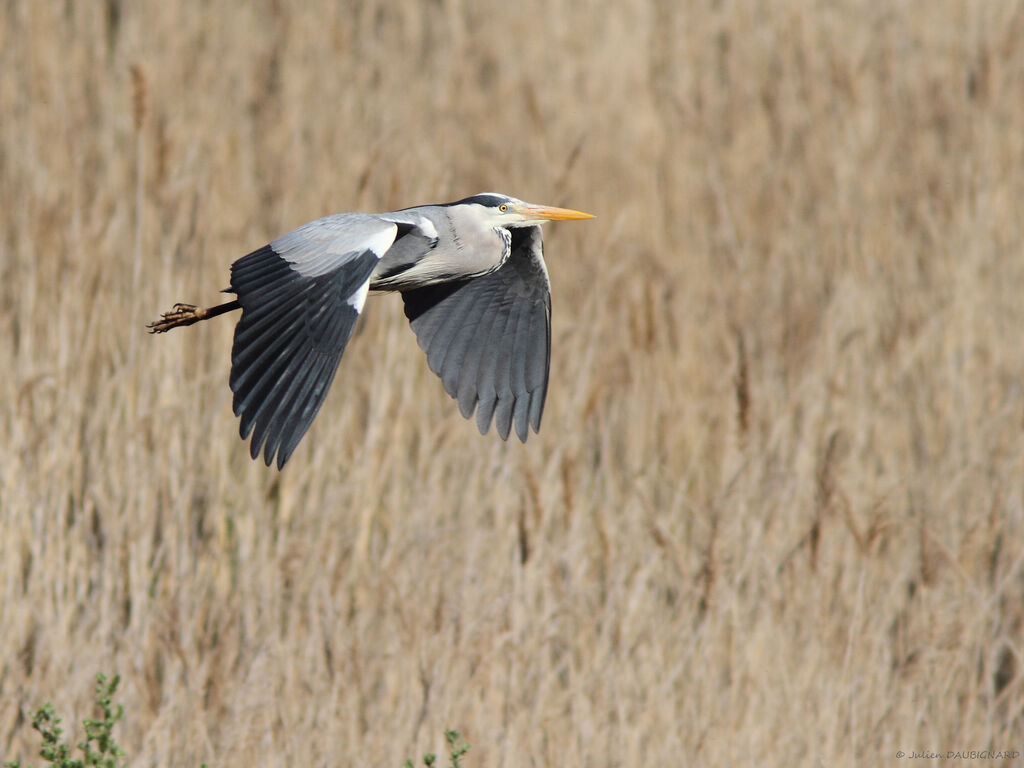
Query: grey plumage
x=489 y=338
x=476 y=293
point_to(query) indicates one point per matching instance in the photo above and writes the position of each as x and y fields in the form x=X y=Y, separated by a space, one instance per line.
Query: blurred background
x=775 y=512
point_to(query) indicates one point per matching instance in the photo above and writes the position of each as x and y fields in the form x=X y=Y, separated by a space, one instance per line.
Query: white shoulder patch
x=381 y=241
x=427 y=227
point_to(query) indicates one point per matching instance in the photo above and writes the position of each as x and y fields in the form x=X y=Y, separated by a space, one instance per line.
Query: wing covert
x=325 y=245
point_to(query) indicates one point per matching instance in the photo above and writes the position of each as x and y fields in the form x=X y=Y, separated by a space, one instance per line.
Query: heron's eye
x=503 y=208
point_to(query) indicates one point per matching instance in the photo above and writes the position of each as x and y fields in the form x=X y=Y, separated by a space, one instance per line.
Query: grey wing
x=489 y=338
x=301 y=296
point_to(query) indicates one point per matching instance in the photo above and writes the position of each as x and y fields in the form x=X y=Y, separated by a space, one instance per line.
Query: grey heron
x=476 y=293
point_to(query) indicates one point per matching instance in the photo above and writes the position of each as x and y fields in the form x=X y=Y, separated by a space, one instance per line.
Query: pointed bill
x=549 y=213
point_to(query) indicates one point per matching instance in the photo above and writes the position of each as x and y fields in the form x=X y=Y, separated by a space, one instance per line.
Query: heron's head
x=504 y=211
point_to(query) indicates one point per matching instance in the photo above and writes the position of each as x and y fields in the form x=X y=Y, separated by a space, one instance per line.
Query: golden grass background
x=775 y=514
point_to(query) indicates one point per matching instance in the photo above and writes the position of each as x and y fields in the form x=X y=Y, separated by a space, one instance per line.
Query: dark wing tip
x=288 y=344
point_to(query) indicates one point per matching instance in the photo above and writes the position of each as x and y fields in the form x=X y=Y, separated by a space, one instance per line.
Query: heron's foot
x=180 y=315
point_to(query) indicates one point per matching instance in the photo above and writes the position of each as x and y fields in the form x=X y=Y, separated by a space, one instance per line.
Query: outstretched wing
x=301 y=296
x=489 y=338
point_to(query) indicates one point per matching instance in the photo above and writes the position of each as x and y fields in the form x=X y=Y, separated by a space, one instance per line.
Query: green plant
x=456 y=749
x=99 y=748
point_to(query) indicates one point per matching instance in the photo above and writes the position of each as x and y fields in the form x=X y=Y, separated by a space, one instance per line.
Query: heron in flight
x=475 y=287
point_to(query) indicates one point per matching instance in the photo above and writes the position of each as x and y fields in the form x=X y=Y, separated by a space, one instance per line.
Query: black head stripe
x=485 y=199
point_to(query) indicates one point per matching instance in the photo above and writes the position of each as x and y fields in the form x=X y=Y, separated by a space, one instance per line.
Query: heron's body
x=476 y=293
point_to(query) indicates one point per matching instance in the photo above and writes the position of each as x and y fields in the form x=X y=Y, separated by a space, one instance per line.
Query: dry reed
x=775 y=514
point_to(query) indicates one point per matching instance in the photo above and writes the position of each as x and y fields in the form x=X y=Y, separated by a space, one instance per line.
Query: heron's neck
x=476 y=243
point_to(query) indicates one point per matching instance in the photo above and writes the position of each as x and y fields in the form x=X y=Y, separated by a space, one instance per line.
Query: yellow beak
x=547 y=213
